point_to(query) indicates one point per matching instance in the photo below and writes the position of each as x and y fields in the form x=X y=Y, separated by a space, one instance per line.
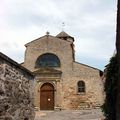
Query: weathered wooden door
x=47 y=97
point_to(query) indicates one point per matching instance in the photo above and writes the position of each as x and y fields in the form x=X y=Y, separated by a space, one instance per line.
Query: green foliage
x=111 y=89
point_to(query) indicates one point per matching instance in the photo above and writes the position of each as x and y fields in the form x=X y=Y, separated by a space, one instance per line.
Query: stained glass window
x=48 y=60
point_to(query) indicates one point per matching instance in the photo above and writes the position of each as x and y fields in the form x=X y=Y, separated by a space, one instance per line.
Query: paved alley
x=94 y=114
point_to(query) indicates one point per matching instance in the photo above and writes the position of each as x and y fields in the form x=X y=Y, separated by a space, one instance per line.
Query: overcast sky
x=91 y=22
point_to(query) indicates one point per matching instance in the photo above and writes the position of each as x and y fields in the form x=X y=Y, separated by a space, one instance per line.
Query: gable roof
x=47 y=36
x=34 y=40
x=88 y=66
x=64 y=34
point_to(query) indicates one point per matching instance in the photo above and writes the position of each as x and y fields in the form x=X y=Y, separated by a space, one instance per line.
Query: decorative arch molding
x=47 y=60
x=42 y=83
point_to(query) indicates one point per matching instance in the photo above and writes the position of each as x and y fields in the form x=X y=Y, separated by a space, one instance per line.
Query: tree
x=111 y=75
x=118 y=58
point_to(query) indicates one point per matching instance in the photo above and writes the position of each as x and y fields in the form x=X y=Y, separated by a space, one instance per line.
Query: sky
x=92 y=23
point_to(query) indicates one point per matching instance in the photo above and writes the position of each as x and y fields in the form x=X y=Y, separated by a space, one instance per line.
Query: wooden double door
x=47 y=97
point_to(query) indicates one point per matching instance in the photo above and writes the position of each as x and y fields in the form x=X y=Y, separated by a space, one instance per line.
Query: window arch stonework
x=48 y=60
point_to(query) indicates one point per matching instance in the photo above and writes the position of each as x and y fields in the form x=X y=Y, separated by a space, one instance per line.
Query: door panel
x=47 y=97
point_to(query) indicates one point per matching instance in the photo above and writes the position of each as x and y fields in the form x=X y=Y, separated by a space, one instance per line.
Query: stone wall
x=16 y=95
x=93 y=96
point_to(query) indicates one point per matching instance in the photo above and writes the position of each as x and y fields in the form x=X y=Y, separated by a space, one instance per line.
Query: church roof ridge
x=87 y=66
x=37 y=39
x=8 y=59
x=40 y=38
x=63 y=34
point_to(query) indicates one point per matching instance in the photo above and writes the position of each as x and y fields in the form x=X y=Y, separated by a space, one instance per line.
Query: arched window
x=48 y=60
x=81 y=86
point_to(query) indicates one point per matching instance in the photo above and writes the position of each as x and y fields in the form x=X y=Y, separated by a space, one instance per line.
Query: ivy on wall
x=111 y=75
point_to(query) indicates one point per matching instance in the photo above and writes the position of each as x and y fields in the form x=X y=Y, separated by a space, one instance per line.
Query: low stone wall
x=16 y=92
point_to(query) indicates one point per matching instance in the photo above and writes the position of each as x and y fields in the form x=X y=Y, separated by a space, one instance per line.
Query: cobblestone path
x=94 y=114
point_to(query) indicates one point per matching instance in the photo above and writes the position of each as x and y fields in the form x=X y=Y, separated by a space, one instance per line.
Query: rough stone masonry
x=16 y=95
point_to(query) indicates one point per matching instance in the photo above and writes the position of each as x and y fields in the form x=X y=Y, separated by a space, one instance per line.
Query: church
x=60 y=82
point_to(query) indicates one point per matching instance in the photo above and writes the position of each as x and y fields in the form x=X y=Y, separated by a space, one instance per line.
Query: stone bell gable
x=60 y=81
x=16 y=91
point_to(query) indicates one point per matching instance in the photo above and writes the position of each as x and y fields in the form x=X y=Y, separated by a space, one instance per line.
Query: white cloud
x=92 y=23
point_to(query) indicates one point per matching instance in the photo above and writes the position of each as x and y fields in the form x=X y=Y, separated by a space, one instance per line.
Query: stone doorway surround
x=44 y=76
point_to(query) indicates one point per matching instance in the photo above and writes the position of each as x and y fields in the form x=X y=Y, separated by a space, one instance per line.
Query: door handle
x=48 y=99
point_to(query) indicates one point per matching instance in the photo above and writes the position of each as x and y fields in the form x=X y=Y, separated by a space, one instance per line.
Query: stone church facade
x=60 y=81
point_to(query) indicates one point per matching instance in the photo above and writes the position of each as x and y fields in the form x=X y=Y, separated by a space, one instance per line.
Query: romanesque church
x=60 y=81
